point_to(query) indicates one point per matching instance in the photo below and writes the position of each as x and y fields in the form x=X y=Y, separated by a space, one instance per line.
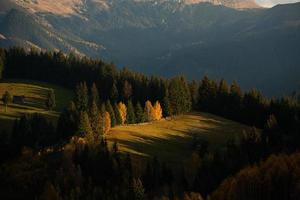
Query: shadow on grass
x=174 y=145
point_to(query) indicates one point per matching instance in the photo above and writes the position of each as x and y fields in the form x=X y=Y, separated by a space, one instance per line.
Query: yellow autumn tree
x=123 y=112
x=149 y=111
x=107 y=123
x=157 y=111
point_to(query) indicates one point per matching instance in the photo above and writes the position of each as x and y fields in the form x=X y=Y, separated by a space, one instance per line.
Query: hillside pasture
x=34 y=95
x=171 y=139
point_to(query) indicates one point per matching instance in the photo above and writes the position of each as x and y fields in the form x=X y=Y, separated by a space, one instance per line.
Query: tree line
x=113 y=84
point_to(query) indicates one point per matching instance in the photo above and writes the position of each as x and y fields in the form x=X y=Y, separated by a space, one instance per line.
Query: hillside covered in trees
x=73 y=159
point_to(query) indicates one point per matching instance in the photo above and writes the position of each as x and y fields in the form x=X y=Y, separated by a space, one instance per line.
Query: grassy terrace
x=35 y=94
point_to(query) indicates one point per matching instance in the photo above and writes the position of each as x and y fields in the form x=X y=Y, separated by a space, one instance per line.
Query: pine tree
x=179 y=95
x=50 y=101
x=123 y=112
x=94 y=94
x=130 y=118
x=114 y=94
x=85 y=128
x=139 y=113
x=82 y=98
x=194 y=89
x=222 y=96
x=127 y=90
x=167 y=110
x=7 y=99
x=94 y=119
x=111 y=112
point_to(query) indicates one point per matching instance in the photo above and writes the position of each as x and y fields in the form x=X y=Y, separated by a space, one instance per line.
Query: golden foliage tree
x=153 y=113
x=122 y=111
x=107 y=123
x=149 y=111
x=157 y=111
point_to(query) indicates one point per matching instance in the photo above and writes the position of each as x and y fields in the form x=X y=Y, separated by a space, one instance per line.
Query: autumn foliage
x=122 y=111
x=153 y=113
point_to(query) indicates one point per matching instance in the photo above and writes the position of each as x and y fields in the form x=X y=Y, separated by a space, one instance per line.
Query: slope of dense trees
x=276 y=178
x=73 y=161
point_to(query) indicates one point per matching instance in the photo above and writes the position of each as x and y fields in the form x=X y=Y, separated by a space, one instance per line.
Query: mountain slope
x=168 y=37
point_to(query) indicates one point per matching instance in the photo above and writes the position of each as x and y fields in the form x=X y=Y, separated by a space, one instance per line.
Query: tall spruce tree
x=194 y=90
x=95 y=119
x=94 y=94
x=139 y=113
x=180 y=97
x=82 y=97
x=130 y=118
x=85 y=128
x=114 y=94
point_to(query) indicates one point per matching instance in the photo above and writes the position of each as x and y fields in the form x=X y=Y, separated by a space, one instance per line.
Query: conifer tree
x=68 y=121
x=130 y=118
x=179 y=95
x=94 y=119
x=111 y=112
x=7 y=99
x=222 y=96
x=127 y=90
x=167 y=110
x=50 y=101
x=139 y=113
x=85 y=128
x=194 y=89
x=114 y=94
x=94 y=94
x=123 y=112
x=82 y=98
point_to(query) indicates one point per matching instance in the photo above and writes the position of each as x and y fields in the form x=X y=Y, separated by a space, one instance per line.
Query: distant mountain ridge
x=77 y=7
x=167 y=37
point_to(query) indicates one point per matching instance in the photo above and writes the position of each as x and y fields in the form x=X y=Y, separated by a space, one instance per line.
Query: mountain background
x=235 y=40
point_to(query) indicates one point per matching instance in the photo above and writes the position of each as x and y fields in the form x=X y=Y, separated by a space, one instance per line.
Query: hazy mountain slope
x=168 y=37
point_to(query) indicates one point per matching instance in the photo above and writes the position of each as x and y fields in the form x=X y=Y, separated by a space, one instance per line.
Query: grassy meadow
x=35 y=94
x=170 y=140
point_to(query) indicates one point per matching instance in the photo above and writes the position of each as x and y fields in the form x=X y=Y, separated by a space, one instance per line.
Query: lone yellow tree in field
x=122 y=111
x=7 y=98
x=157 y=111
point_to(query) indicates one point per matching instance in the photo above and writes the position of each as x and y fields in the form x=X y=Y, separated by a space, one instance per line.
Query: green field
x=35 y=94
x=170 y=140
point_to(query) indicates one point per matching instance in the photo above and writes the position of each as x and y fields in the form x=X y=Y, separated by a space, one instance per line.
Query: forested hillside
x=75 y=160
